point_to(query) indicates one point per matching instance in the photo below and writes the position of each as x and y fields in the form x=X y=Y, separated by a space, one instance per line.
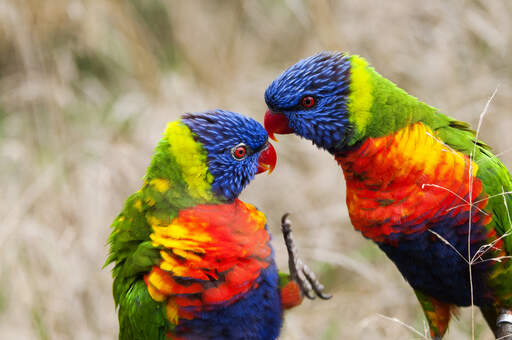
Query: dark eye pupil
x=240 y=151
x=308 y=101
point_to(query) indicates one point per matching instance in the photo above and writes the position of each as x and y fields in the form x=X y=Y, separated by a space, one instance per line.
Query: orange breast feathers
x=211 y=255
x=401 y=183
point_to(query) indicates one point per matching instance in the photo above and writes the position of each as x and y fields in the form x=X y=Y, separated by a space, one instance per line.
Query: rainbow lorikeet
x=192 y=261
x=418 y=183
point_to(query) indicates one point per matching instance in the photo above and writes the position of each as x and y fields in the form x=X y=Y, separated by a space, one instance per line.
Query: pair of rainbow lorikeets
x=191 y=261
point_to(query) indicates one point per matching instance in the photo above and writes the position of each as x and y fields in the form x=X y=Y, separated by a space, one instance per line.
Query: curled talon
x=299 y=271
x=317 y=286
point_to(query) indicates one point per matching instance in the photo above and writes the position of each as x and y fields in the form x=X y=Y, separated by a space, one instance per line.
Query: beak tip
x=267 y=160
x=273 y=137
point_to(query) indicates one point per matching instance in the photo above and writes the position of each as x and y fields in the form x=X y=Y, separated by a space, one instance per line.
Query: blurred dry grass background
x=86 y=88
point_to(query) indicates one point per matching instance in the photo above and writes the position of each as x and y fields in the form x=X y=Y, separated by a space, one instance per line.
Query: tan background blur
x=86 y=88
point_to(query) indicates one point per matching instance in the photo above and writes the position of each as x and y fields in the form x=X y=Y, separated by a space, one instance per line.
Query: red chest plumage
x=402 y=183
x=211 y=256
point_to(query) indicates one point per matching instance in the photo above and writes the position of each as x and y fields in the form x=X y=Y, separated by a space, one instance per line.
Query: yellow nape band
x=360 y=99
x=191 y=158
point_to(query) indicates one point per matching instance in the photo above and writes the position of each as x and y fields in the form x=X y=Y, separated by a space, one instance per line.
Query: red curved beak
x=267 y=160
x=276 y=122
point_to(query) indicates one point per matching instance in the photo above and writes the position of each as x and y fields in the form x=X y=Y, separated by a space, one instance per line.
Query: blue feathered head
x=309 y=99
x=237 y=148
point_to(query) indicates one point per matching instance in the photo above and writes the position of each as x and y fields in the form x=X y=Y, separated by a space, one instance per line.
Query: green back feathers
x=377 y=107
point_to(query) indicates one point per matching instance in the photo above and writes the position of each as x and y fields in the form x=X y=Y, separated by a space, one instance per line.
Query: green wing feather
x=133 y=255
x=140 y=317
x=497 y=184
x=492 y=172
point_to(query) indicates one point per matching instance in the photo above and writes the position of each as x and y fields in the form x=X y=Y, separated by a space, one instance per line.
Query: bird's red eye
x=239 y=151
x=308 y=101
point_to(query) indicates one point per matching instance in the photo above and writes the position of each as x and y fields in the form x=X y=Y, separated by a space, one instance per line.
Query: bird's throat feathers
x=376 y=106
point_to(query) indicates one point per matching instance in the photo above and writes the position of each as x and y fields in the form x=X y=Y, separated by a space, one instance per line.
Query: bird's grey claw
x=300 y=272
x=317 y=286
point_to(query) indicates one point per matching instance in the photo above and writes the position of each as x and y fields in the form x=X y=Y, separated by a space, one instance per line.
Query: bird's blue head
x=309 y=99
x=237 y=148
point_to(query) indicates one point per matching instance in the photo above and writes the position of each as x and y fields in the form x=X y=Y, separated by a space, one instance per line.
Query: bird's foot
x=299 y=271
x=504 y=325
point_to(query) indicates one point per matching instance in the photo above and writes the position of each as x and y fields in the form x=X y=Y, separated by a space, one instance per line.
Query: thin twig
x=453 y=193
x=445 y=145
x=449 y=244
x=401 y=323
x=470 y=175
x=507 y=233
x=496 y=259
x=481 y=200
x=494 y=156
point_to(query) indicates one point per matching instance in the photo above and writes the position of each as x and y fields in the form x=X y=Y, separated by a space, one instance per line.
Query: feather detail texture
x=192 y=261
x=419 y=183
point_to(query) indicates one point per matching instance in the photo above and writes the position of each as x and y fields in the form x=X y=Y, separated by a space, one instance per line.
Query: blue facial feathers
x=219 y=132
x=325 y=77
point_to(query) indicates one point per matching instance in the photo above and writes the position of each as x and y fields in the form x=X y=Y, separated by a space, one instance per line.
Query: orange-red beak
x=276 y=122
x=267 y=160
